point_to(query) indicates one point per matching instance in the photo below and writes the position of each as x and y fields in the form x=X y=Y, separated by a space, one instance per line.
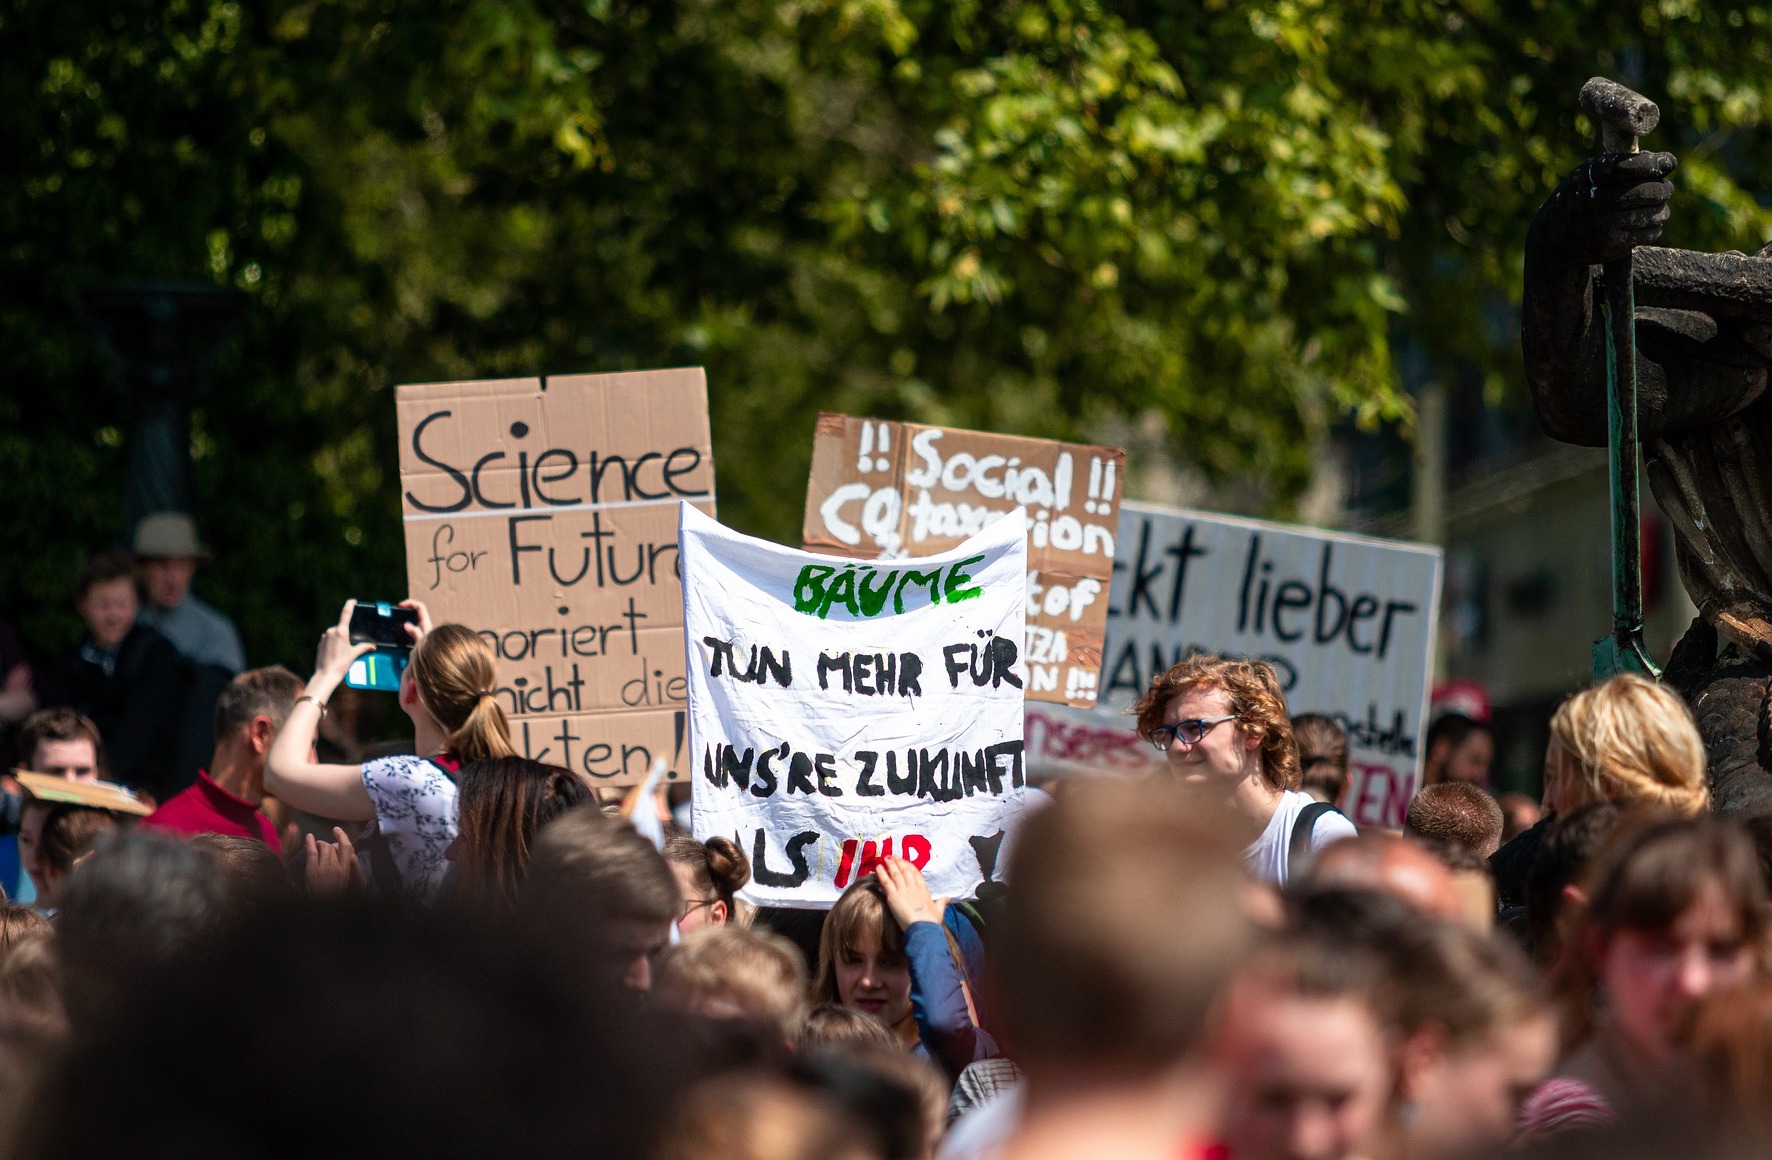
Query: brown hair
x=31 y=991
x=1123 y=925
x=1644 y=879
x=1729 y=1042
x=1455 y=816
x=504 y=803
x=104 y=567
x=1310 y=964
x=734 y=1116
x=1322 y=754
x=251 y=872
x=717 y=866
x=69 y=834
x=1435 y=971
x=833 y=1023
x=861 y=907
x=1255 y=699
x=758 y=971
x=1632 y=741
x=20 y=925
x=588 y=865
x=891 y=1065
x=267 y=692
x=1473 y=985
x=456 y=673
x=59 y=724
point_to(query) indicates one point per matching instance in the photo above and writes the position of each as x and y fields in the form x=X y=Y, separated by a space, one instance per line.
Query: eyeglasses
x=690 y=908
x=1189 y=732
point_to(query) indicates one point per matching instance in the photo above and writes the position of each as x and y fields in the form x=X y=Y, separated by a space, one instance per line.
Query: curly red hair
x=1254 y=691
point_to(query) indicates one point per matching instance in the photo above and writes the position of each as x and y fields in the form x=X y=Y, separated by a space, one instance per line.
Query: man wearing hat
x=167 y=548
x=168 y=551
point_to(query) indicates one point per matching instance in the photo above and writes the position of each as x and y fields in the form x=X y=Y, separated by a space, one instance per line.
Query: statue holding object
x=1702 y=351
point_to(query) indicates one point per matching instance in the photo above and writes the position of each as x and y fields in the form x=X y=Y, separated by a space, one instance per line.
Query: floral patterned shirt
x=415 y=810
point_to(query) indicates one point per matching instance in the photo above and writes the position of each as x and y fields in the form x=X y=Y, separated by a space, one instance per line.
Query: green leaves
x=1202 y=226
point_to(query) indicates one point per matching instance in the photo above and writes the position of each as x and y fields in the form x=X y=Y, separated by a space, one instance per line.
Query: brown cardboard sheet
x=542 y=513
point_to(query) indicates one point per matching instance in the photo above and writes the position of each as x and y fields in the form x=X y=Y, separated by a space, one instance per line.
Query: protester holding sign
x=1222 y=725
x=447 y=691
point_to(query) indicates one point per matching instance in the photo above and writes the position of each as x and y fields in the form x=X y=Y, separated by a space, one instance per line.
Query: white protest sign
x=841 y=711
x=1347 y=621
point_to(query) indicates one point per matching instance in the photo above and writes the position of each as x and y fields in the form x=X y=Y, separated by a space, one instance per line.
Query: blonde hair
x=457 y=675
x=1633 y=742
x=1256 y=698
x=759 y=972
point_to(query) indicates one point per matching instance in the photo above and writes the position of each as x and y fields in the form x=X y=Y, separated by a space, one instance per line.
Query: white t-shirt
x=981 y=1133
x=1269 y=856
x=415 y=810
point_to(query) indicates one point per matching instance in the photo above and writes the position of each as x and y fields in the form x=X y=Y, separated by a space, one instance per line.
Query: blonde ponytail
x=456 y=673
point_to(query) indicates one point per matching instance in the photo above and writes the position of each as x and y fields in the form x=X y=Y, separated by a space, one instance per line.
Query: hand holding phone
x=383 y=625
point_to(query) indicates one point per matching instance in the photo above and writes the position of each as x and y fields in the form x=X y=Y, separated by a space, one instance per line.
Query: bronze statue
x=1703 y=340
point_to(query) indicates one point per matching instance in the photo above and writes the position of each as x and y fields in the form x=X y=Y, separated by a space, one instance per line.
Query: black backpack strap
x=1298 y=845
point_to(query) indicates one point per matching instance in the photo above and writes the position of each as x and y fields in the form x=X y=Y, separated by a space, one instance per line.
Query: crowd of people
x=443 y=948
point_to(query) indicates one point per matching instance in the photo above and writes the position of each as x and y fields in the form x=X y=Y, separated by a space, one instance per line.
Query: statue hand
x=1605 y=207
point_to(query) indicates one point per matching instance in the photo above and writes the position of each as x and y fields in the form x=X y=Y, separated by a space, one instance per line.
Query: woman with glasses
x=1223 y=728
x=709 y=874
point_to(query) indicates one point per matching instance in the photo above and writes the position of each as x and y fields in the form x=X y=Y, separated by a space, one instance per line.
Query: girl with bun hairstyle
x=448 y=690
x=708 y=875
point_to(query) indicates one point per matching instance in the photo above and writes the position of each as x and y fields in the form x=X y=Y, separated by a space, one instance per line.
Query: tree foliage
x=1042 y=217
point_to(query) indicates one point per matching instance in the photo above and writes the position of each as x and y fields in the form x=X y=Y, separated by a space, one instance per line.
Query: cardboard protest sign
x=841 y=713
x=893 y=491
x=543 y=514
x=1347 y=621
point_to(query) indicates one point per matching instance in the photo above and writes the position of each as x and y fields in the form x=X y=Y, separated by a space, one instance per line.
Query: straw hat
x=167 y=534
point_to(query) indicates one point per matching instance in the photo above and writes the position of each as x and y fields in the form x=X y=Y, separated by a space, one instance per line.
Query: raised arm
x=291 y=773
x=939 y=998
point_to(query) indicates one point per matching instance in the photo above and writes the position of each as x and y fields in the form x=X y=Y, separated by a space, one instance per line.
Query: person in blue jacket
x=885 y=950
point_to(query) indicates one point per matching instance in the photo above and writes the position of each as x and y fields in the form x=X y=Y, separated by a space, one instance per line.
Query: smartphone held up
x=382 y=624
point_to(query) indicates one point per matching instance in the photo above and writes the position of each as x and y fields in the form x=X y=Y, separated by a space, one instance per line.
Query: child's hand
x=907 y=893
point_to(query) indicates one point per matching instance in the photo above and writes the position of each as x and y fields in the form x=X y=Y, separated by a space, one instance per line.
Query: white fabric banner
x=843 y=711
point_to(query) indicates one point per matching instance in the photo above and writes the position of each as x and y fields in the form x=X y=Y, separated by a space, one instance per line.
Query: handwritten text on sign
x=891 y=491
x=1347 y=621
x=843 y=713
x=542 y=514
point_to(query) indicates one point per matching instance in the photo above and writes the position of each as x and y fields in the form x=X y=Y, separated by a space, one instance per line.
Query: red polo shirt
x=207 y=808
